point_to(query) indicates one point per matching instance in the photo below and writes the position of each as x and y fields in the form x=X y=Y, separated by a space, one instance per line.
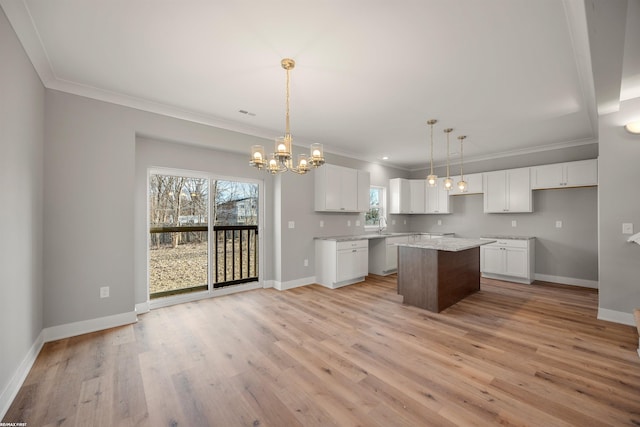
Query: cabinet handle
x=355 y=250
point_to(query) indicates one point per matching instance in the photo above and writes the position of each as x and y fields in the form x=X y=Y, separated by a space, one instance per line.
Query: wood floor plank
x=511 y=354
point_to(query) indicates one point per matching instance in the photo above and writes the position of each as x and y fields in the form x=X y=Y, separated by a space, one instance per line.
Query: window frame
x=382 y=206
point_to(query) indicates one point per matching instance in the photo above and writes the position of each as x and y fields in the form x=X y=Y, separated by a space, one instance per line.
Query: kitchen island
x=436 y=274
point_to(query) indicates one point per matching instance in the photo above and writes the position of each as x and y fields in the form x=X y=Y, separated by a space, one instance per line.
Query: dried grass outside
x=185 y=266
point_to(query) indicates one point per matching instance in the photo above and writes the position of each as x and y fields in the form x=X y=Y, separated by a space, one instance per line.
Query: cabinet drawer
x=352 y=244
x=509 y=243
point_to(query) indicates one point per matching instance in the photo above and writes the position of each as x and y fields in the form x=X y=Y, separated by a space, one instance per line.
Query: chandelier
x=282 y=159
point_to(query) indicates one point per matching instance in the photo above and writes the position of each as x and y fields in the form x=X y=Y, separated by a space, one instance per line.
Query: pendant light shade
x=448 y=182
x=462 y=184
x=432 y=179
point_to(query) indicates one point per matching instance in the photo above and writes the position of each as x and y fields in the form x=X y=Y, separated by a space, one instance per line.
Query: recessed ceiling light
x=385 y=157
x=248 y=113
x=633 y=127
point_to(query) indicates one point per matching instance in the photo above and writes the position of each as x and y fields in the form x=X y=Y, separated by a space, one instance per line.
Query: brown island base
x=436 y=274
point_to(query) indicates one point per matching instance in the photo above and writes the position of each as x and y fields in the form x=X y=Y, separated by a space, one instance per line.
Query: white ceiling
x=510 y=74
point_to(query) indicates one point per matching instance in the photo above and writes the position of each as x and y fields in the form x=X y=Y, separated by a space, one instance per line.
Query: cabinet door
x=346 y=264
x=495 y=191
x=443 y=199
x=582 y=173
x=348 y=189
x=400 y=194
x=361 y=265
x=520 y=198
x=474 y=184
x=547 y=176
x=515 y=262
x=492 y=259
x=417 y=194
x=333 y=195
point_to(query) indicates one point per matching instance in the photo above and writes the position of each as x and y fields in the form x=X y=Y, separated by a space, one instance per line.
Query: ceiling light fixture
x=633 y=127
x=281 y=159
x=432 y=179
x=448 y=182
x=462 y=184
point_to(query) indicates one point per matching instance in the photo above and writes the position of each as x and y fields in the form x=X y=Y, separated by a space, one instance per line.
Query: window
x=377 y=206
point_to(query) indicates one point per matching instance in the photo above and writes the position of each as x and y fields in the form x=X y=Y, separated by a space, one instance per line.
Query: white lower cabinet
x=509 y=259
x=341 y=263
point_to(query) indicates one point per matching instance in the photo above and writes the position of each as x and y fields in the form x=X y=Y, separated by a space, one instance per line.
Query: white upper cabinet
x=340 y=189
x=407 y=196
x=437 y=198
x=400 y=194
x=562 y=175
x=508 y=191
x=417 y=196
x=474 y=184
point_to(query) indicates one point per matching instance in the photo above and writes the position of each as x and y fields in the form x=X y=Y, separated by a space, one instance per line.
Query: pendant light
x=462 y=184
x=448 y=182
x=432 y=179
x=281 y=159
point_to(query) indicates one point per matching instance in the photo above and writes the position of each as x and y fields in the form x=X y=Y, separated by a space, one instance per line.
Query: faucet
x=382 y=224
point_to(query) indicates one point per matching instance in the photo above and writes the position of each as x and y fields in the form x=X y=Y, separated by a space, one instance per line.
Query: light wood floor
x=510 y=354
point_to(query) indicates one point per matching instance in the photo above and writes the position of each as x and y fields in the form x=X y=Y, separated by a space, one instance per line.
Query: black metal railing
x=235 y=254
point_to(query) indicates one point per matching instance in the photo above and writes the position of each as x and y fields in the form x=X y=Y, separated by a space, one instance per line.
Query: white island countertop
x=449 y=244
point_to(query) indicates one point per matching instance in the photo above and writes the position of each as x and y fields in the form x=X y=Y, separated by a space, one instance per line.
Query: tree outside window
x=376 y=206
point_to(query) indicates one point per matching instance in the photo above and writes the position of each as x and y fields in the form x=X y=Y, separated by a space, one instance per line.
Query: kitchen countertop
x=374 y=236
x=503 y=236
x=449 y=244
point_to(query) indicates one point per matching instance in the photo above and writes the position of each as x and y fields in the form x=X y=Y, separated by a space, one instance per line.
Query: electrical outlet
x=306 y=263
x=627 y=228
x=104 y=292
x=357 y=223
x=439 y=222
x=558 y=224
x=292 y=224
x=514 y=223
x=321 y=223
x=405 y=222
x=393 y=222
x=348 y=223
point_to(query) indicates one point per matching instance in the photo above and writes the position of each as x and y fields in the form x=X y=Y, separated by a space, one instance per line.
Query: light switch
x=393 y=222
x=439 y=222
x=514 y=223
x=348 y=223
x=292 y=224
x=321 y=223
x=357 y=223
x=627 y=228
x=558 y=224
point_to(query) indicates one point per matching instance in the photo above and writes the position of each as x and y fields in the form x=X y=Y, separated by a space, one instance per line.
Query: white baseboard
x=268 y=284
x=142 y=307
x=84 y=327
x=616 y=316
x=283 y=286
x=567 y=280
x=11 y=390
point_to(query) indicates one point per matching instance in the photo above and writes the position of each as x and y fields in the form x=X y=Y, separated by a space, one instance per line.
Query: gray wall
x=21 y=157
x=567 y=252
x=91 y=231
x=619 y=202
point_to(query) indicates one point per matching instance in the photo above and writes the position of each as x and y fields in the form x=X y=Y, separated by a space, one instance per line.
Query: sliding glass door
x=203 y=233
